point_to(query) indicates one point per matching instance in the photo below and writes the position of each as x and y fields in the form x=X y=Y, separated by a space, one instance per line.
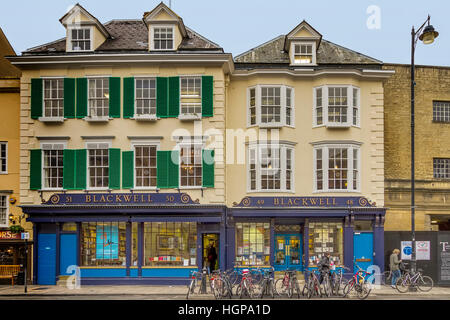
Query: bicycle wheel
x=403 y=284
x=216 y=287
x=348 y=287
x=290 y=288
x=234 y=278
x=326 y=287
x=280 y=288
x=297 y=288
x=250 y=289
x=424 y=283
x=191 y=288
x=272 y=288
x=363 y=291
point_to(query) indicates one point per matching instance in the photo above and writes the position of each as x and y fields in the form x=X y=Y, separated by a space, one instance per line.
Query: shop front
x=295 y=232
x=13 y=253
x=134 y=238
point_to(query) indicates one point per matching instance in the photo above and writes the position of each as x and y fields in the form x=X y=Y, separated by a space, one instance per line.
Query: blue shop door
x=288 y=250
x=363 y=250
x=46 y=259
x=68 y=252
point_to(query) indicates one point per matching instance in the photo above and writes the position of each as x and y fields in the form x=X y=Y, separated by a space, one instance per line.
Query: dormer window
x=163 y=38
x=81 y=39
x=303 y=53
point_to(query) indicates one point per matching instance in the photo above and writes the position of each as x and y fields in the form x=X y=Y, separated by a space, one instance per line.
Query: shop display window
x=103 y=244
x=253 y=244
x=326 y=237
x=170 y=244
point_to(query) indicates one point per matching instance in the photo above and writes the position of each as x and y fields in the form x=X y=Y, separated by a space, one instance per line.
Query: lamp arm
x=417 y=33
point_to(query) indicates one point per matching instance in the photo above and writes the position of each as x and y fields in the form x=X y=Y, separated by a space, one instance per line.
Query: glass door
x=288 y=252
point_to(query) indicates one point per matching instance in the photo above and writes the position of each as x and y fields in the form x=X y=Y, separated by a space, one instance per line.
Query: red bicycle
x=359 y=284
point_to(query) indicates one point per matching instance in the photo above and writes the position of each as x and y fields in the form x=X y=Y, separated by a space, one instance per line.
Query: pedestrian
x=394 y=263
x=212 y=256
x=324 y=266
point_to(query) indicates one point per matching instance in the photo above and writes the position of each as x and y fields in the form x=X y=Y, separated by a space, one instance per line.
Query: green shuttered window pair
x=82 y=85
x=75 y=169
x=75 y=97
x=167 y=97
x=38 y=98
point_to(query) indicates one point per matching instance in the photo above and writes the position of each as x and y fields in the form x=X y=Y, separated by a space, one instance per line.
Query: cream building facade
x=147 y=152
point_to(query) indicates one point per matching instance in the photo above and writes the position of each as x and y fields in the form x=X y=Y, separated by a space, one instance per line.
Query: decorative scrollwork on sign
x=246 y=201
x=54 y=199
x=363 y=202
x=185 y=198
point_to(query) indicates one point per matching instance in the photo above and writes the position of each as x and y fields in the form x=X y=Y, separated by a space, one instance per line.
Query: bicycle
x=194 y=275
x=409 y=279
x=337 y=281
x=312 y=285
x=267 y=284
x=287 y=284
x=359 y=284
x=246 y=286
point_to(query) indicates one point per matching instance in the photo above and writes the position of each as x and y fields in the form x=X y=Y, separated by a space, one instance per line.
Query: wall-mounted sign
x=444 y=258
x=120 y=199
x=423 y=250
x=305 y=202
x=8 y=235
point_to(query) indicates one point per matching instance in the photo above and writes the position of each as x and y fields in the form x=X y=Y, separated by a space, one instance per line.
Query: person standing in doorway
x=212 y=256
x=394 y=263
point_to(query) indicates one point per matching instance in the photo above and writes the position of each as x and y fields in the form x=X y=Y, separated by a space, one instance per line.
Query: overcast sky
x=378 y=28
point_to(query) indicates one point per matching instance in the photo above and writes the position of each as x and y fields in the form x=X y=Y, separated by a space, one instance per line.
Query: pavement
x=176 y=292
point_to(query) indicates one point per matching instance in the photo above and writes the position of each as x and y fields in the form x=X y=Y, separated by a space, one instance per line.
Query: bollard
x=203 y=286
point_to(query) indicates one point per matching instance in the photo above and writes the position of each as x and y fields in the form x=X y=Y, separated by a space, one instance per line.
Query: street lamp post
x=427 y=37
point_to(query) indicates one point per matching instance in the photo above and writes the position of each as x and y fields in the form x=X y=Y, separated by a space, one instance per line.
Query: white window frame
x=152 y=36
x=44 y=118
x=190 y=116
x=6 y=224
x=43 y=148
x=195 y=142
x=325 y=167
x=282 y=158
x=69 y=38
x=133 y=148
x=325 y=106
x=89 y=117
x=88 y=180
x=283 y=108
x=146 y=116
x=313 y=53
x=4 y=143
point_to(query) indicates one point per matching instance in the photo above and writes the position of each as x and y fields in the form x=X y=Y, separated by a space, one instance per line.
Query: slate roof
x=272 y=52
x=130 y=35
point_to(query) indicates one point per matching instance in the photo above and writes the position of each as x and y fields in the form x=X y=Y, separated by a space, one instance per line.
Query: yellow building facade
x=147 y=152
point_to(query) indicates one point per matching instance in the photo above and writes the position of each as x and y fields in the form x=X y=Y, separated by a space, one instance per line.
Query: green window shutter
x=69 y=98
x=208 y=168
x=162 y=170
x=167 y=170
x=114 y=97
x=114 y=168
x=128 y=97
x=36 y=98
x=174 y=97
x=174 y=169
x=207 y=96
x=82 y=97
x=127 y=169
x=80 y=169
x=69 y=169
x=162 y=109
x=35 y=169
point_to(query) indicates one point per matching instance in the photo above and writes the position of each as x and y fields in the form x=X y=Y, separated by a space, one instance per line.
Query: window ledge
x=150 y=117
x=97 y=189
x=190 y=116
x=271 y=125
x=337 y=191
x=96 y=119
x=271 y=191
x=192 y=188
x=51 y=119
x=333 y=125
x=144 y=189
x=52 y=190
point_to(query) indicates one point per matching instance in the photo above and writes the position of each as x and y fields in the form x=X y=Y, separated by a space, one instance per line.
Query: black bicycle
x=267 y=286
